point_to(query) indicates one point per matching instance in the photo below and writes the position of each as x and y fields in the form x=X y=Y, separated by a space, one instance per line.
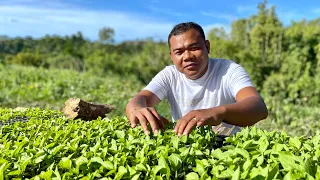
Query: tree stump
x=75 y=108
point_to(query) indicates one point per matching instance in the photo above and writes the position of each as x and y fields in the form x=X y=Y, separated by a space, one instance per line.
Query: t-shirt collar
x=202 y=78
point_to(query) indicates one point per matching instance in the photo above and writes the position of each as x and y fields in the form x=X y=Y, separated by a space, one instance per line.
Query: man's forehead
x=191 y=33
x=187 y=38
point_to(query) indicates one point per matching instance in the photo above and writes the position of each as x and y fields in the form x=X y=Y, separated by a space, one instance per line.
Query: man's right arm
x=140 y=109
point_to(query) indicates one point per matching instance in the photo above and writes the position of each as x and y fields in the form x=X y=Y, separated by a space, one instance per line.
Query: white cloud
x=165 y=11
x=246 y=9
x=23 y=20
x=209 y=27
x=227 y=17
x=291 y=15
x=316 y=11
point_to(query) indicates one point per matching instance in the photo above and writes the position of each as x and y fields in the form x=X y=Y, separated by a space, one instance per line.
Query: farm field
x=48 y=146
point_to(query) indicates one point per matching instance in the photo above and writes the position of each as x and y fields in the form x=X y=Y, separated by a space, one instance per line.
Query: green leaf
x=65 y=163
x=274 y=171
x=289 y=176
x=226 y=173
x=51 y=145
x=278 y=147
x=14 y=173
x=242 y=152
x=308 y=147
x=263 y=144
x=81 y=160
x=316 y=140
x=236 y=175
x=95 y=147
x=310 y=167
x=46 y=175
x=318 y=173
x=24 y=164
x=200 y=169
x=121 y=171
x=192 y=176
x=156 y=169
x=247 y=144
x=175 y=141
x=106 y=164
x=162 y=161
x=260 y=160
x=184 y=139
x=57 y=149
x=39 y=159
x=136 y=177
x=247 y=164
x=141 y=167
x=113 y=145
x=288 y=161
x=56 y=172
x=295 y=142
x=120 y=134
x=175 y=161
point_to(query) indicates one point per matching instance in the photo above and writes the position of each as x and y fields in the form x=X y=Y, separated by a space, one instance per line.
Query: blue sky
x=135 y=19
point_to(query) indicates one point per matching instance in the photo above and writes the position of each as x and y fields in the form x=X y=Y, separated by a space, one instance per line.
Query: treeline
x=138 y=58
x=283 y=61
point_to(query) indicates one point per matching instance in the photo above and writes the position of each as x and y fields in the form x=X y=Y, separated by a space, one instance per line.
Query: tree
x=106 y=35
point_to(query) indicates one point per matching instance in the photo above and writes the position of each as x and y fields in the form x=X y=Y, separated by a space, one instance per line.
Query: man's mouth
x=191 y=65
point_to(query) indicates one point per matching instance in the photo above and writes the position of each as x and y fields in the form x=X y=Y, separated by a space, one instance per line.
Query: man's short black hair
x=184 y=27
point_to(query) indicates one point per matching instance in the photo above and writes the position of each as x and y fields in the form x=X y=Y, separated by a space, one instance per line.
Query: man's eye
x=178 y=53
x=194 y=48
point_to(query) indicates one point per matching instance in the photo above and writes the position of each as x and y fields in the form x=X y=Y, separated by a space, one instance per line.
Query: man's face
x=189 y=53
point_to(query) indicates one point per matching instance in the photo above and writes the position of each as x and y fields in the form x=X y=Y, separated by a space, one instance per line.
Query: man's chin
x=192 y=76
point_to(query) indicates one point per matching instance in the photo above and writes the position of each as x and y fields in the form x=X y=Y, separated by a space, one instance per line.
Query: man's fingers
x=152 y=120
x=201 y=122
x=155 y=113
x=191 y=124
x=182 y=125
x=176 y=127
x=133 y=120
x=144 y=123
x=158 y=117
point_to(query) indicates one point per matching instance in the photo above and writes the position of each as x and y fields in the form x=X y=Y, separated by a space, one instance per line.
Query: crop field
x=48 y=146
x=39 y=143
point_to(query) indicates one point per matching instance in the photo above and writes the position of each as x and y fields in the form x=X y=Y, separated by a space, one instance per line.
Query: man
x=201 y=91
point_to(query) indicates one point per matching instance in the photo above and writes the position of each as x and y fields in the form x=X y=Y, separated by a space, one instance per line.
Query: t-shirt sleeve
x=239 y=79
x=159 y=85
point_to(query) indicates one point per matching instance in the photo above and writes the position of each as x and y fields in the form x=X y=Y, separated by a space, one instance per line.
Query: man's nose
x=187 y=55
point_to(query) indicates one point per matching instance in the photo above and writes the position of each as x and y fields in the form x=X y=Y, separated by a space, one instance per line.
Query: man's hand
x=201 y=117
x=145 y=116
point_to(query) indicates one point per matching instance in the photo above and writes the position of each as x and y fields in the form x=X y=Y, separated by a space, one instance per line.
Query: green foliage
x=297 y=79
x=293 y=119
x=29 y=59
x=283 y=62
x=32 y=87
x=51 y=147
x=106 y=35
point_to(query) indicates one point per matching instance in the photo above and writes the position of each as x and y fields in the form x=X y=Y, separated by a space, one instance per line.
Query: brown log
x=75 y=108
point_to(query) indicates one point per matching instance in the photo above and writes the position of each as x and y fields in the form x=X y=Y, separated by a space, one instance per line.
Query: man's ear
x=208 y=46
x=170 y=55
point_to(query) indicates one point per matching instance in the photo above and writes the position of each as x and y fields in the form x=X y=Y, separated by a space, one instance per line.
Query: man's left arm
x=248 y=110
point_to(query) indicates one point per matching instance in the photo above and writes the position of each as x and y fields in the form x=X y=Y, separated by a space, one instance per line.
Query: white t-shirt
x=218 y=86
